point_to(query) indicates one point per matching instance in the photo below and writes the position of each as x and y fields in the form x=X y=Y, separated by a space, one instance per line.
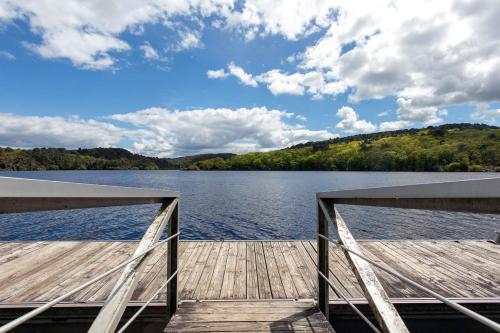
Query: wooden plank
x=277 y=289
x=59 y=278
x=208 y=271
x=300 y=285
x=195 y=275
x=381 y=252
x=230 y=272
x=57 y=267
x=250 y=316
x=109 y=316
x=9 y=252
x=262 y=274
x=30 y=264
x=214 y=289
x=384 y=311
x=188 y=266
x=284 y=272
x=101 y=290
x=240 y=282
x=252 y=280
x=307 y=276
x=449 y=269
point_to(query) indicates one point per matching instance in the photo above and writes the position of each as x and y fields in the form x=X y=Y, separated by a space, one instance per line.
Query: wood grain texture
x=40 y=271
x=248 y=316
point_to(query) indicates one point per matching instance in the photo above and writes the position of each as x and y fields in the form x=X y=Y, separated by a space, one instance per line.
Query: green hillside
x=91 y=159
x=453 y=147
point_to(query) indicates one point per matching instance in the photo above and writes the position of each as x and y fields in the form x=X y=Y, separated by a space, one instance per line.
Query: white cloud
x=432 y=53
x=289 y=18
x=407 y=111
x=88 y=32
x=189 y=39
x=244 y=77
x=70 y=132
x=217 y=74
x=394 y=125
x=351 y=123
x=7 y=55
x=300 y=117
x=483 y=112
x=162 y=132
x=383 y=114
x=279 y=83
x=149 y=51
x=212 y=130
x=314 y=83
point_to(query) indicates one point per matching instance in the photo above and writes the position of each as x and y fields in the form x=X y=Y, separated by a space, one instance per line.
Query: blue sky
x=218 y=76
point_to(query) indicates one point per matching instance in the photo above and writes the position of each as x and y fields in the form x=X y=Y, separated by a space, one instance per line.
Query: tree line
x=451 y=147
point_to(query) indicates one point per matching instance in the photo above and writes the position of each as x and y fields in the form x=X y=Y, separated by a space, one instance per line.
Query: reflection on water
x=246 y=205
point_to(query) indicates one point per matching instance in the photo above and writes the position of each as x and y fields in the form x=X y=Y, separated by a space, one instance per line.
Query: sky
x=172 y=78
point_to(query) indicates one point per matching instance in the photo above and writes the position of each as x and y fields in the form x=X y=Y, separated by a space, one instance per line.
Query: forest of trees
x=452 y=147
x=91 y=159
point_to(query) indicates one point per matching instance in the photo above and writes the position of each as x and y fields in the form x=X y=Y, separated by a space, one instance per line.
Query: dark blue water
x=245 y=205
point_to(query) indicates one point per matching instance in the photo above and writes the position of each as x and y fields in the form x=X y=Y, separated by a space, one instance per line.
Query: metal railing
x=27 y=195
x=477 y=196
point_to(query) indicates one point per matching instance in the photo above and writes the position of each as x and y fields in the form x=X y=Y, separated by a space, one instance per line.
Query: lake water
x=246 y=205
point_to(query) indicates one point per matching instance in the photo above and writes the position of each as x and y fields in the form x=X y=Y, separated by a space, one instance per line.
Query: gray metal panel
x=475 y=188
x=478 y=195
x=25 y=195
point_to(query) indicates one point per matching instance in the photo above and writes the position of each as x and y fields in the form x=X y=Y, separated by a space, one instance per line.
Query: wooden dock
x=249 y=285
x=34 y=272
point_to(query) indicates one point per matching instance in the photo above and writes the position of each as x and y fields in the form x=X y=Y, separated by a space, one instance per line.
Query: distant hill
x=451 y=147
x=92 y=159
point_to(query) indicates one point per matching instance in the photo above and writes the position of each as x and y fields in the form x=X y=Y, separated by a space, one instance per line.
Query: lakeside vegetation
x=452 y=147
x=91 y=159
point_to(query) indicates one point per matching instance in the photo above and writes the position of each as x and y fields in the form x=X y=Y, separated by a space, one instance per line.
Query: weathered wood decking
x=249 y=316
x=33 y=272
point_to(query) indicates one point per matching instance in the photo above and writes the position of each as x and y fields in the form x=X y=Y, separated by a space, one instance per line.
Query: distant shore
x=451 y=147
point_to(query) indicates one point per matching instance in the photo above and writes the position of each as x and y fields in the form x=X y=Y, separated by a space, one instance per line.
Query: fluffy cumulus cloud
x=313 y=83
x=351 y=123
x=88 y=33
x=427 y=54
x=216 y=130
x=289 y=18
x=70 y=132
x=163 y=132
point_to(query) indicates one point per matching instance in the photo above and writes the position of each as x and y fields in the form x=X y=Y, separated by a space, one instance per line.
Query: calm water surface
x=245 y=205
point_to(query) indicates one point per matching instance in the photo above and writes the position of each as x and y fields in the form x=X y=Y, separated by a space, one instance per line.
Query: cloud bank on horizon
x=423 y=59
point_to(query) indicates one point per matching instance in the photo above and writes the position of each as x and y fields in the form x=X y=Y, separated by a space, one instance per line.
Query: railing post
x=173 y=244
x=323 y=297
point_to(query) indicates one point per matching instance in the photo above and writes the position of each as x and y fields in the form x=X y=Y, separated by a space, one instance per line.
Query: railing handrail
x=25 y=195
x=19 y=195
x=473 y=195
x=467 y=188
x=478 y=195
